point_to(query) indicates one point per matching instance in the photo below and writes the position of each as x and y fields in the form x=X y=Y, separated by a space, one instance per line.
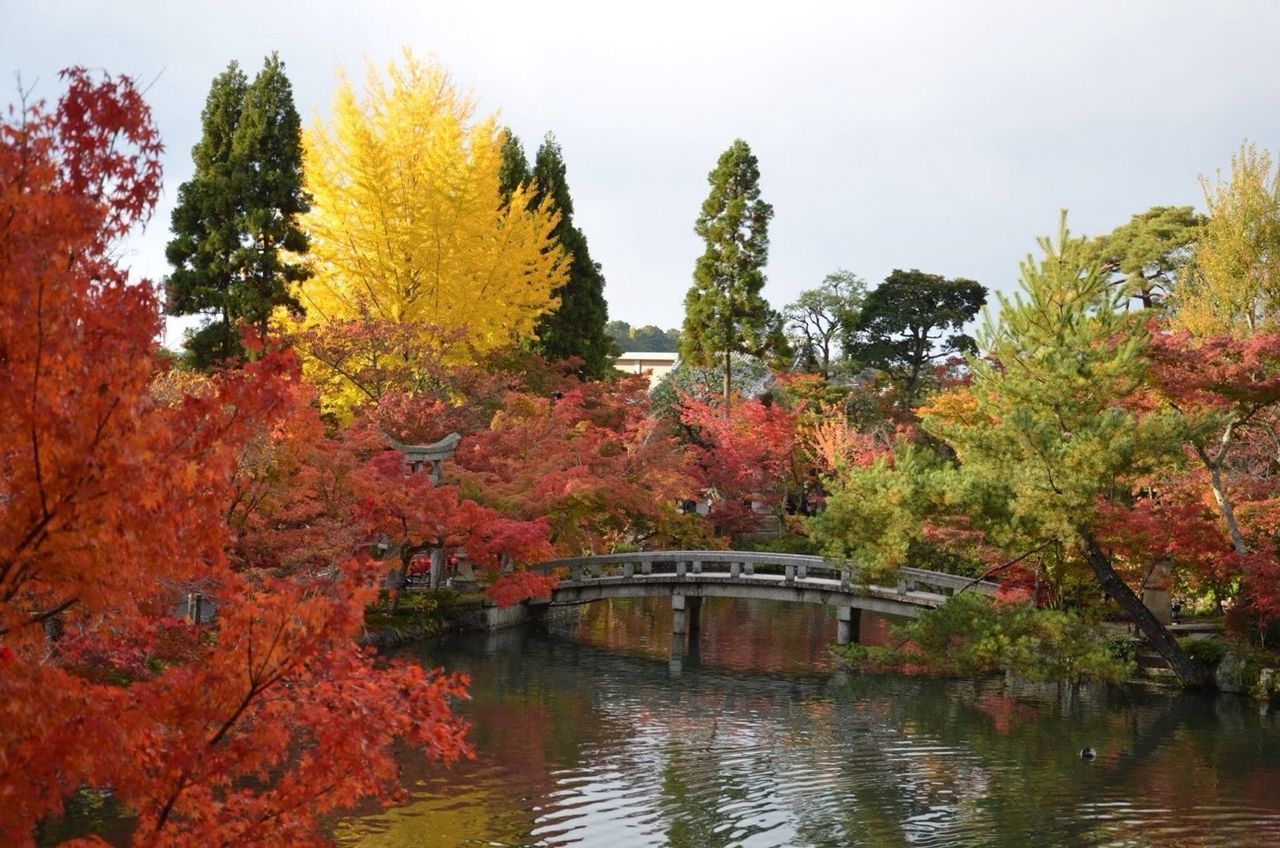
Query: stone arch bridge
x=686 y=577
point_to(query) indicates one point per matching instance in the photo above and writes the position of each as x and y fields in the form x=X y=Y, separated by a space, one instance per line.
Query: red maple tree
x=753 y=456
x=588 y=459
x=113 y=496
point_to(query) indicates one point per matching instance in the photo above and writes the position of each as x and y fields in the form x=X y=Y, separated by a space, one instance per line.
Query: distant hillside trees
x=646 y=337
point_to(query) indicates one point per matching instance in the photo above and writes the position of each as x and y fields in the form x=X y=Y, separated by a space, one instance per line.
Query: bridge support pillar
x=847 y=621
x=680 y=613
x=676 y=662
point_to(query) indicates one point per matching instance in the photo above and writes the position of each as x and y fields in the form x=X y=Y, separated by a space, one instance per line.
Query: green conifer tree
x=237 y=216
x=514 y=171
x=576 y=327
x=724 y=312
x=1055 y=422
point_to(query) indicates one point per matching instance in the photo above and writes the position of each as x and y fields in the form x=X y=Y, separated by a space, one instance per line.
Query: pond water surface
x=589 y=733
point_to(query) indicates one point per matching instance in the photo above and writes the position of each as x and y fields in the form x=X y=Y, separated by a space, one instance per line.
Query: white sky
x=942 y=135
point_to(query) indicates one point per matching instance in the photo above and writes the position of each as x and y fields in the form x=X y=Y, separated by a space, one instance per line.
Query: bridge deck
x=751 y=574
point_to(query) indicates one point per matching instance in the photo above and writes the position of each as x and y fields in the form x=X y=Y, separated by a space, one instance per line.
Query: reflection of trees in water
x=1023 y=778
x=570 y=730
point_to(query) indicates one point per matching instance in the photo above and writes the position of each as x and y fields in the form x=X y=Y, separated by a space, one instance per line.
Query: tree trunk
x=397 y=584
x=437 y=567
x=1190 y=672
x=1214 y=468
x=728 y=380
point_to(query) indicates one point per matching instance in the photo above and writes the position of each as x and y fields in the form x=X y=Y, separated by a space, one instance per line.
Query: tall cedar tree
x=236 y=217
x=724 y=312
x=911 y=320
x=575 y=328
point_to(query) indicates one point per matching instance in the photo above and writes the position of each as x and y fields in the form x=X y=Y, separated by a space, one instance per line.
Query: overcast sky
x=943 y=136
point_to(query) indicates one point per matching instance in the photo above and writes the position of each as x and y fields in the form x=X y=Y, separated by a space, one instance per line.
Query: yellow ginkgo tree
x=408 y=223
x=1233 y=287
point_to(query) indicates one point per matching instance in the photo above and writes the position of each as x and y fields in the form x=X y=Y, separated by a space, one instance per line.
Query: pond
x=588 y=732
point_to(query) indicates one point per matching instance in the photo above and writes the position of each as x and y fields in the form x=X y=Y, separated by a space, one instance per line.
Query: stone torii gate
x=429 y=457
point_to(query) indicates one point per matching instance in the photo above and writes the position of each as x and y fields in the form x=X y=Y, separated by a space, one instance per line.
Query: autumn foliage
x=424 y=236
x=587 y=459
x=751 y=456
x=116 y=500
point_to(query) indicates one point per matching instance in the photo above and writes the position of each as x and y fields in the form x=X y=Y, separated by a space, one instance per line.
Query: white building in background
x=656 y=363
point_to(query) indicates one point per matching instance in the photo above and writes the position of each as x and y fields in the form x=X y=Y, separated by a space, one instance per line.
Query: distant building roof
x=658 y=363
x=660 y=355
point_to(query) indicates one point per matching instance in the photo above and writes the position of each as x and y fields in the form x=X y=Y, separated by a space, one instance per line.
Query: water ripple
x=584 y=746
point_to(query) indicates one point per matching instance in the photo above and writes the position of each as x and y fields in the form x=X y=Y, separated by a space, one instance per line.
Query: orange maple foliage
x=586 y=458
x=114 y=500
x=753 y=456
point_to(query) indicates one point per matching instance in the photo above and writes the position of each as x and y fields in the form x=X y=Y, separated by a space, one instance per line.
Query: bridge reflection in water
x=585 y=738
x=686 y=577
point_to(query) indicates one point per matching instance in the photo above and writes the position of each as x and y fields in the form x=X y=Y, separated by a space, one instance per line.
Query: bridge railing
x=739 y=564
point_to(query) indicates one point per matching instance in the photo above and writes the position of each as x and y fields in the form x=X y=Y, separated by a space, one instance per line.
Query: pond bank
x=450 y=613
